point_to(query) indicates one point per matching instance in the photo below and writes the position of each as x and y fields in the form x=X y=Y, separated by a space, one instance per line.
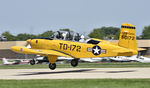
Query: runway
x=75 y=73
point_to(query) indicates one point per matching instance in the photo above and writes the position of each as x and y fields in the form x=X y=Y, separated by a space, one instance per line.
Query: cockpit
x=71 y=36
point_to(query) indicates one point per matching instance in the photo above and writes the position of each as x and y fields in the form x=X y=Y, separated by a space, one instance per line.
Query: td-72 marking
x=70 y=47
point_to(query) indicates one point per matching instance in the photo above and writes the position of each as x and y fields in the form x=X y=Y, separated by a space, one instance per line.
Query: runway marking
x=75 y=73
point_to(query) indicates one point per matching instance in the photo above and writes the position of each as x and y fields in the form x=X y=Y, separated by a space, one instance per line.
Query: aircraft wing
x=43 y=52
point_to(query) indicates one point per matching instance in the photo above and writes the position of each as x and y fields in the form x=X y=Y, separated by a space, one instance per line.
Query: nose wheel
x=74 y=62
x=52 y=66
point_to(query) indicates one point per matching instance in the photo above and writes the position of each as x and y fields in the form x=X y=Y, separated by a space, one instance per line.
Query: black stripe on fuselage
x=64 y=53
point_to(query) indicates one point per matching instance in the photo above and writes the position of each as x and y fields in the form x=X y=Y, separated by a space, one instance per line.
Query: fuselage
x=76 y=49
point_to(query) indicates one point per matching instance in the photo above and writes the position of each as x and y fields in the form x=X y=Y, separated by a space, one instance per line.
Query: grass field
x=81 y=65
x=76 y=83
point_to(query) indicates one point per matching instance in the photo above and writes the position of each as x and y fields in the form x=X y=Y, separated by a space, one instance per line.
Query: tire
x=52 y=66
x=74 y=62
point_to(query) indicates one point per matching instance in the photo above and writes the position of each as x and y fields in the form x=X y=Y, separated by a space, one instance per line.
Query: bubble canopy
x=69 y=36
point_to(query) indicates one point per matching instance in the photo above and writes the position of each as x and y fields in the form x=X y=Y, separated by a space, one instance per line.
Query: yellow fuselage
x=78 y=49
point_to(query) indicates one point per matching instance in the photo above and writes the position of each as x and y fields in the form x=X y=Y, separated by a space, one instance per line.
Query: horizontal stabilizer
x=123 y=52
x=141 y=49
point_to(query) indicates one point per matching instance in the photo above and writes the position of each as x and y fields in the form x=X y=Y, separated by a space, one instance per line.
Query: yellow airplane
x=90 y=48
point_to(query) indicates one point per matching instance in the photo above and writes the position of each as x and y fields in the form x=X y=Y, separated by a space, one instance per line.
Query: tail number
x=127 y=37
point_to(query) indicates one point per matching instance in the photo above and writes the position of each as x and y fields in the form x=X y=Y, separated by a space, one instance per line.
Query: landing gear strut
x=32 y=62
x=52 y=66
x=74 y=62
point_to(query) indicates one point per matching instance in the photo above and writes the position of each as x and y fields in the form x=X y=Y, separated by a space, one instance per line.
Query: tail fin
x=127 y=37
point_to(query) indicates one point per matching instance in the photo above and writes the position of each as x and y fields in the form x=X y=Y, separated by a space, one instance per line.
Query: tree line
x=100 y=33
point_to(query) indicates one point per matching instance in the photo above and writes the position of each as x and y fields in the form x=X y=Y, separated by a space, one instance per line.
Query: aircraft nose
x=28 y=41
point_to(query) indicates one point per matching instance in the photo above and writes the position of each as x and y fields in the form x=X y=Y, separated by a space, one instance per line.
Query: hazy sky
x=37 y=16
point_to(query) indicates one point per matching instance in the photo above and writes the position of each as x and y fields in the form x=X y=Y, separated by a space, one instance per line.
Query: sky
x=38 y=16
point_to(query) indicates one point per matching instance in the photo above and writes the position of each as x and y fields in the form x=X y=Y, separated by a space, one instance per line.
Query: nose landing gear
x=52 y=66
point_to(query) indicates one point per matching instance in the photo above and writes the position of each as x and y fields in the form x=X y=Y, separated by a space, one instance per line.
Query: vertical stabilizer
x=127 y=37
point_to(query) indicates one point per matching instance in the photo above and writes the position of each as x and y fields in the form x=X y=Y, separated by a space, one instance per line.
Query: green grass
x=81 y=65
x=76 y=83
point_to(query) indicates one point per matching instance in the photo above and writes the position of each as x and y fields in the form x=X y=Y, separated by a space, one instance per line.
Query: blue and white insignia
x=96 y=50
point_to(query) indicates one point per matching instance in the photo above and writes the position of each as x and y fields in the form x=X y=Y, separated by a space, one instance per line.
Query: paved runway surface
x=75 y=73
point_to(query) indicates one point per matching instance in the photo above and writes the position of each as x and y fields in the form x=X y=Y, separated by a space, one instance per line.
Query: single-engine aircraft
x=66 y=45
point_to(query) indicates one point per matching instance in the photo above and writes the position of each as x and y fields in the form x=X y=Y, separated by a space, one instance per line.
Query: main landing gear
x=74 y=62
x=52 y=66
